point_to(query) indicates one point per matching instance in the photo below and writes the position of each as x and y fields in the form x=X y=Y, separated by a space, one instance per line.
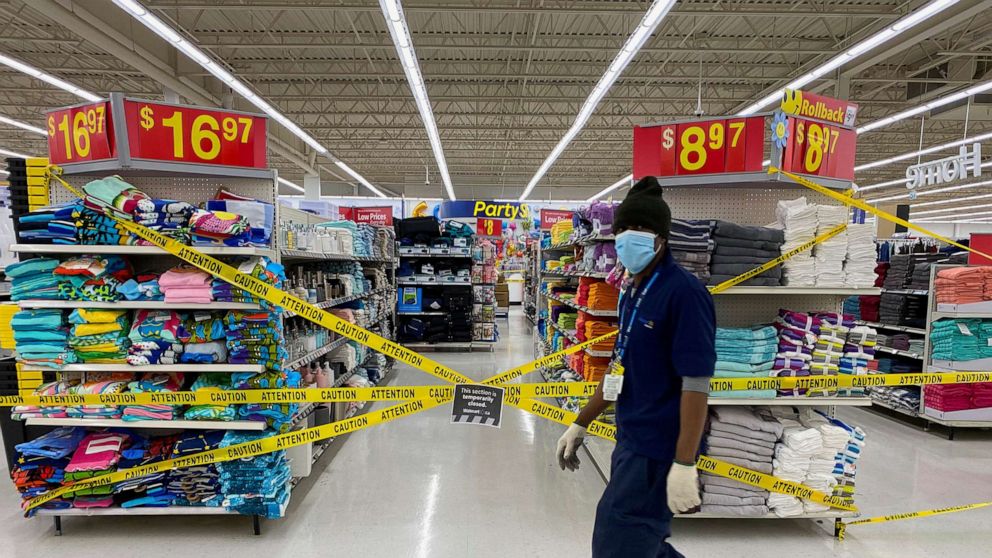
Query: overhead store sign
x=184 y=134
x=81 y=134
x=819 y=149
x=375 y=216
x=699 y=147
x=819 y=107
x=948 y=169
x=485 y=226
x=551 y=216
x=480 y=208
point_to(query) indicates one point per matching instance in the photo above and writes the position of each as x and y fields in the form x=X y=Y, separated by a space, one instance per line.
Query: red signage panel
x=551 y=216
x=81 y=134
x=819 y=107
x=381 y=216
x=489 y=227
x=699 y=147
x=820 y=149
x=179 y=134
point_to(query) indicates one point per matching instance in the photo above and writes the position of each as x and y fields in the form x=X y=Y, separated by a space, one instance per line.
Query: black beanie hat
x=644 y=207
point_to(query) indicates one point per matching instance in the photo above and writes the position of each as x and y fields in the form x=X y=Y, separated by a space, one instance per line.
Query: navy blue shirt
x=673 y=336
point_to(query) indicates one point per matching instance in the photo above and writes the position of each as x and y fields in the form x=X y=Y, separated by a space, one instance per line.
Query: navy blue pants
x=632 y=518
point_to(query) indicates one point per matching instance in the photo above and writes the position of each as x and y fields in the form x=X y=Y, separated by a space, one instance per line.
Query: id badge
x=612 y=386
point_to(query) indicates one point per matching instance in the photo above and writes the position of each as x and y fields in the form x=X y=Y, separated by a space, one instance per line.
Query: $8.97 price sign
x=193 y=135
x=820 y=149
x=80 y=134
x=702 y=147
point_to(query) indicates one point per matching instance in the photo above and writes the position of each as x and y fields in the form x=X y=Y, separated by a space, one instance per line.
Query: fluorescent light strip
x=974 y=214
x=927 y=151
x=292 y=185
x=625 y=180
x=393 y=12
x=657 y=12
x=48 y=78
x=931 y=192
x=932 y=211
x=164 y=31
x=930 y=105
x=983 y=216
x=22 y=125
x=880 y=185
x=359 y=178
x=10 y=153
x=864 y=46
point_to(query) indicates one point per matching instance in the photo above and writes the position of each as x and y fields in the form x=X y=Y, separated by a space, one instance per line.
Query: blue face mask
x=636 y=249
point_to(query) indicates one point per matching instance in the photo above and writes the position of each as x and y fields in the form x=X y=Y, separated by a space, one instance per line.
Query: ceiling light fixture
x=927 y=151
x=623 y=181
x=936 y=191
x=172 y=37
x=398 y=29
x=292 y=185
x=929 y=105
x=952 y=209
x=862 y=47
x=657 y=12
x=359 y=178
x=954 y=217
x=22 y=125
x=10 y=153
x=48 y=78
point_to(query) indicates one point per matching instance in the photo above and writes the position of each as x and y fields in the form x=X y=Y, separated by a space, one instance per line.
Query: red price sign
x=551 y=216
x=820 y=149
x=701 y=147
x=81 y=134
x=380 y=216
x=488 y=227
x=194 y=135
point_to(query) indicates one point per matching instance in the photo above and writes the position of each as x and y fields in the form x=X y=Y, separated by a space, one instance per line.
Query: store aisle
x=422 y=487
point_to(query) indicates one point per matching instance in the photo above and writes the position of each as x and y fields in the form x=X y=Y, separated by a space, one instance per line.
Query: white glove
x=683 y=488
x=568 y=445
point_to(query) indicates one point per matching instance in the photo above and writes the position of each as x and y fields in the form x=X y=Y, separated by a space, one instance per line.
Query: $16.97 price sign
x=820 y=149
x=81 y=134
x=701 y=147
x=181 y=134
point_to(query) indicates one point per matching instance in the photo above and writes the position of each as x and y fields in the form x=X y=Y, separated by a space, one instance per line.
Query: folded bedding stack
x=89 y=278
x=212 y=382
x=33 y=279
x=561 y=231
x=99 y=383
x=97 y=454
x=962 y=285
x=823 y=466
x=219 y=228
x=33 y=227
x=868 y=308
x=738 y=249
x=960 y=339
x=957 y=397
x=602 y=296
x=150 y=490
x=166 y=217
x=691 y=246
x=829 y=349
x=41 y=338
x=828 y=256
x=846 y=460
x=899 y=272
x=113 y=195
x=277 y=416
x=920 y=279
x=861 y=253
x=600 y=214
x=261 y=268
x=852 y=307
x=798 y=222
x=155 y=338
x=198 y=485
x=742 y=436
x=100 y=336
x=204 y=338
x=185 y=283
x=41 y=463
x=153 y=382
x=22 y=412
x=143 y=286
x=797 y=336
x=254 y=338
x=95 y=228
x=745 y=353
x=256 y=485
x=905 y=398
x=793 y=455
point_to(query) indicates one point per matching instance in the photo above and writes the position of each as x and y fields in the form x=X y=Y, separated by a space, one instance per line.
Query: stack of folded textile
x=185 y=283
x=846 y=460
x=960 y=339
x=738 y=249
x=690 y=244
x=33 y=279
x=859 y=352
x=858 y=266
x=602 y=296
x=153 y=382
x=561 y=232
x=32 y=228
x=828 y=256
x=155 y=338
x=199 y=485
x=98 y=454
x=112 y=194
x=149 y=490
x=566 y=321
x=212 y=382
x=899 y=272
x=41 y=338
x=261 y=268
x=744 y=436
x=219 y=228
x=829 y=348
x=797 y=335
x=906 y=398
x=385 y=240
x=793 y=455
x=601 y=216
x=256 y=485
x=798 y=221
x=170 y=213
x=100 y=336
x=962 y=285
x=822 y=474
x=61 y=387
x=595 y=328
x=254 y=338
x=594 y=368
x=260 y=215
x=95 y=228
x=41 y=464
x=868 y=308
x=143 y=286
x=852 y=307
x=99 y=383
x=745 y=353
x=920 y=279
x=89 y=278
x=277 y=416
x=881 y=272
x=948 y=397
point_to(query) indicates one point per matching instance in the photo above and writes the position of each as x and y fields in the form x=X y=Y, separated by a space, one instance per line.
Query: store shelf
x=161 y=424
x=801 y=291
x=795 y=401
x=418 y=252
x=188 y=368
x=138 y=305
x=899 y=352
x=575 y=341
x=977 y=365
x=322 y=256
x=421 y=283
x=592 y=274
x=79 y=249
x=313 y=355
x=140 y=510
x=813 y=515
x=901 y=410
x=422 y=313
x=912 y=292
x=904 y=329
x=971 y=310
x=448 y=345
x=331 y=302
x=571 y=303
x=581 y=240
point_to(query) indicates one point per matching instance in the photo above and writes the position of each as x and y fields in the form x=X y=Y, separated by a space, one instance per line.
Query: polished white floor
x=423 y=487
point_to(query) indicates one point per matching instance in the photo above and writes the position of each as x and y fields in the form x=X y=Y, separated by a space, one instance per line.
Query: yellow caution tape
x=777 y=261
x=545 y=361
x=841 y=532
x=846 y=381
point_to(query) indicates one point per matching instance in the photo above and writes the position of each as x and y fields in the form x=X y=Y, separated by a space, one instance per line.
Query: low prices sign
x=81 y=134
x=375 y=216
x=488 y=227
x=820 y=149
x=551 y=216
x=699 y=147
x=180 y=134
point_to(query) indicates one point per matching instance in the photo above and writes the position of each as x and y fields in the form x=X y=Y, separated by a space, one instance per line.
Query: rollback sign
x=948 y=169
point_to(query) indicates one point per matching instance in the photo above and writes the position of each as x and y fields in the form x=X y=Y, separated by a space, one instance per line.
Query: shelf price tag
x=488 y=227
x=820 y=149
x=181 y=134
x=699 y=147
x=81 y=134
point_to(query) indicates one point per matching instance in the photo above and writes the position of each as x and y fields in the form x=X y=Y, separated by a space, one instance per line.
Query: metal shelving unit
x=78 y=249
x=157 y=424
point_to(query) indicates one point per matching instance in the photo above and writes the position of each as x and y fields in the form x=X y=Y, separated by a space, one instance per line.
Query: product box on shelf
x=411 y=299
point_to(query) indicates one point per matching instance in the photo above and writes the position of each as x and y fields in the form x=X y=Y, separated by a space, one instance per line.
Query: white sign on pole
x=948 y=169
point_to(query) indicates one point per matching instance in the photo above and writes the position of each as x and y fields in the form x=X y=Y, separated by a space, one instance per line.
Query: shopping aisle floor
x=423 y=487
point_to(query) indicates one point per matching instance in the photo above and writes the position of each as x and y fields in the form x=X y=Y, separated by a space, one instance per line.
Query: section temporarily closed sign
x=477 y=404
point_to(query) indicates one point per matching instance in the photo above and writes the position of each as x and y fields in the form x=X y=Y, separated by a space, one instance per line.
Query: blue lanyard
x=621 y=344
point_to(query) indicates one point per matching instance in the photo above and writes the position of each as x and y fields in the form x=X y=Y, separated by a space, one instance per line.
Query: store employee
x=659 y=377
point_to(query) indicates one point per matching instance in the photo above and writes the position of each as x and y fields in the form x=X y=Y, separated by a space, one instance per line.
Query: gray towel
x=733 y=230
x=735 y=511
x=710 y=481
x=732 y=430
x=694 y=257
x=729 y=441
x=726 y=500
x=753 y=244
x=720 y=452
x=752 y=261
x=735 y=269
x=753 y=419
x=749 y=252
x=758 y=466
x=759 y=281
x=746 y=492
